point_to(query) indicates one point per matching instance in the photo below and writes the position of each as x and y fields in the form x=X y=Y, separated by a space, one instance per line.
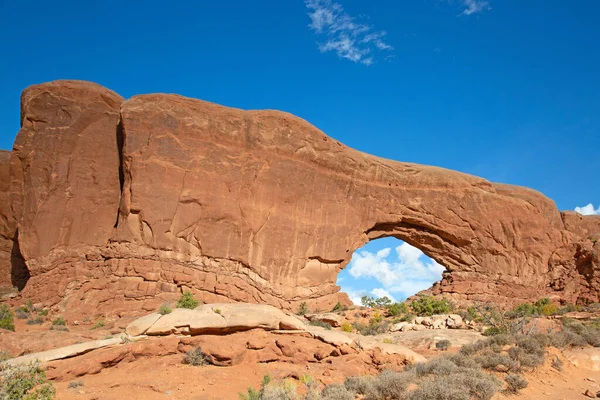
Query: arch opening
x=388 y=267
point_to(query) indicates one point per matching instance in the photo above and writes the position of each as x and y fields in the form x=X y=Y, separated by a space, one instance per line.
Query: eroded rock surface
x=123 y=204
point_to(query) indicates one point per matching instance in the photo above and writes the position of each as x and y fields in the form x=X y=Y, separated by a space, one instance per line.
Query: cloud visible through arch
x=396 y=272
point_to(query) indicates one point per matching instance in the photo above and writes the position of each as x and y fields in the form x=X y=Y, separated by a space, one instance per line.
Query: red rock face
x=255 y=206
x=13 y=272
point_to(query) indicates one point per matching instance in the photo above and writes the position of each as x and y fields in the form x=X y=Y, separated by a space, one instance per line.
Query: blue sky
x=505 y=89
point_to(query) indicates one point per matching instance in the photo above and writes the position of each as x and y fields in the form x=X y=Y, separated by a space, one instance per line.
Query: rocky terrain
x=117 y=204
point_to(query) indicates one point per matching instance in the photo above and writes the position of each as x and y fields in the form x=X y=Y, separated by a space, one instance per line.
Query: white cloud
x=343 y=35
x=475 y=6
x=380 y=292
x=588 y=210
x=410 y=271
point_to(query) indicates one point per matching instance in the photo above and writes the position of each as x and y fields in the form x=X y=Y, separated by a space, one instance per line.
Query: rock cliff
x=124 y=203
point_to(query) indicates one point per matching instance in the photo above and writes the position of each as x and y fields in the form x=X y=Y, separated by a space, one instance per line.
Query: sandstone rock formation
x=122 y=204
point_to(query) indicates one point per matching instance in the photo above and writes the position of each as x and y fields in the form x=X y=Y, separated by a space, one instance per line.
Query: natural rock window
x=388 y=267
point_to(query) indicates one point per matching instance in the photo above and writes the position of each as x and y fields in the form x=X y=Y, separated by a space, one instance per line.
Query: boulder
x=332 y=319
x=214 y=319
x=454 y=321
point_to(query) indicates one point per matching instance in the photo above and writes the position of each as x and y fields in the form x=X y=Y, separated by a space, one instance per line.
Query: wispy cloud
x=475 y=6
x=588 y=210
x=343 y=35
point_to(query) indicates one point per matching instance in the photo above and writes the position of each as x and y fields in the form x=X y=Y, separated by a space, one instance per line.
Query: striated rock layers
x=122 y=204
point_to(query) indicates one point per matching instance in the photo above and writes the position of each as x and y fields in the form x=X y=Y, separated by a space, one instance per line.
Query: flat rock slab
x=215 y=319
x=63 y=352
x=339 y=338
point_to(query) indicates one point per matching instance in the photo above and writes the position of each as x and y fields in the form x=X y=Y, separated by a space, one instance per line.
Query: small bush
x=303 y=309
x=27 y=382
x=429 y=305
x=557 y=363
x=443 y=345
x=375 y=327
x=196 y=357
x=35 y=321
x=321 y=324
x=187 y=300
x=360 y=384
x=337 y=392
x=492 y=331
x=164 y=309
x=338 y=307
x=59 y=322
x=346 y=327
x=98 y=324
x=21 y=314
x=75 y=384
x=514 y=383
x=43 y=312
x=7 y=320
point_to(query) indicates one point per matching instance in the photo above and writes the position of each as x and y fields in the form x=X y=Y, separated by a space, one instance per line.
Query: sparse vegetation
x=75 y=384
x=322 y=324
x=35 y=321
x=164 y=309
x=557 y=363
x=429 y=305
x=187 y=300
x=4 y=355
x=443 y=345
x=43 y=312
x=217 y=310
x=27 y=382
x=514 y=383
x=98 y=324
x=338 y=307
x=59 y=322
x=303 y=309
x=7 y=320
x=196 y=357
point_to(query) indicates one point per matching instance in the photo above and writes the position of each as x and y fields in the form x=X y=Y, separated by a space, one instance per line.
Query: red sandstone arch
x=256 y=206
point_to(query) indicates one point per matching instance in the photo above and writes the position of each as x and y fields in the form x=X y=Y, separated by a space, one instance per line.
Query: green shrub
x=303 y=309
x=338 y=307
x=59 y=322
x=27 y=382
x=187 y=300
x=443 y=345
x=164 y=309
x=254 y=394
x=196 y=357
x=7 y=320
x=493 y=331
x=43 y=312
x=396 y=309
x=429 y=305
